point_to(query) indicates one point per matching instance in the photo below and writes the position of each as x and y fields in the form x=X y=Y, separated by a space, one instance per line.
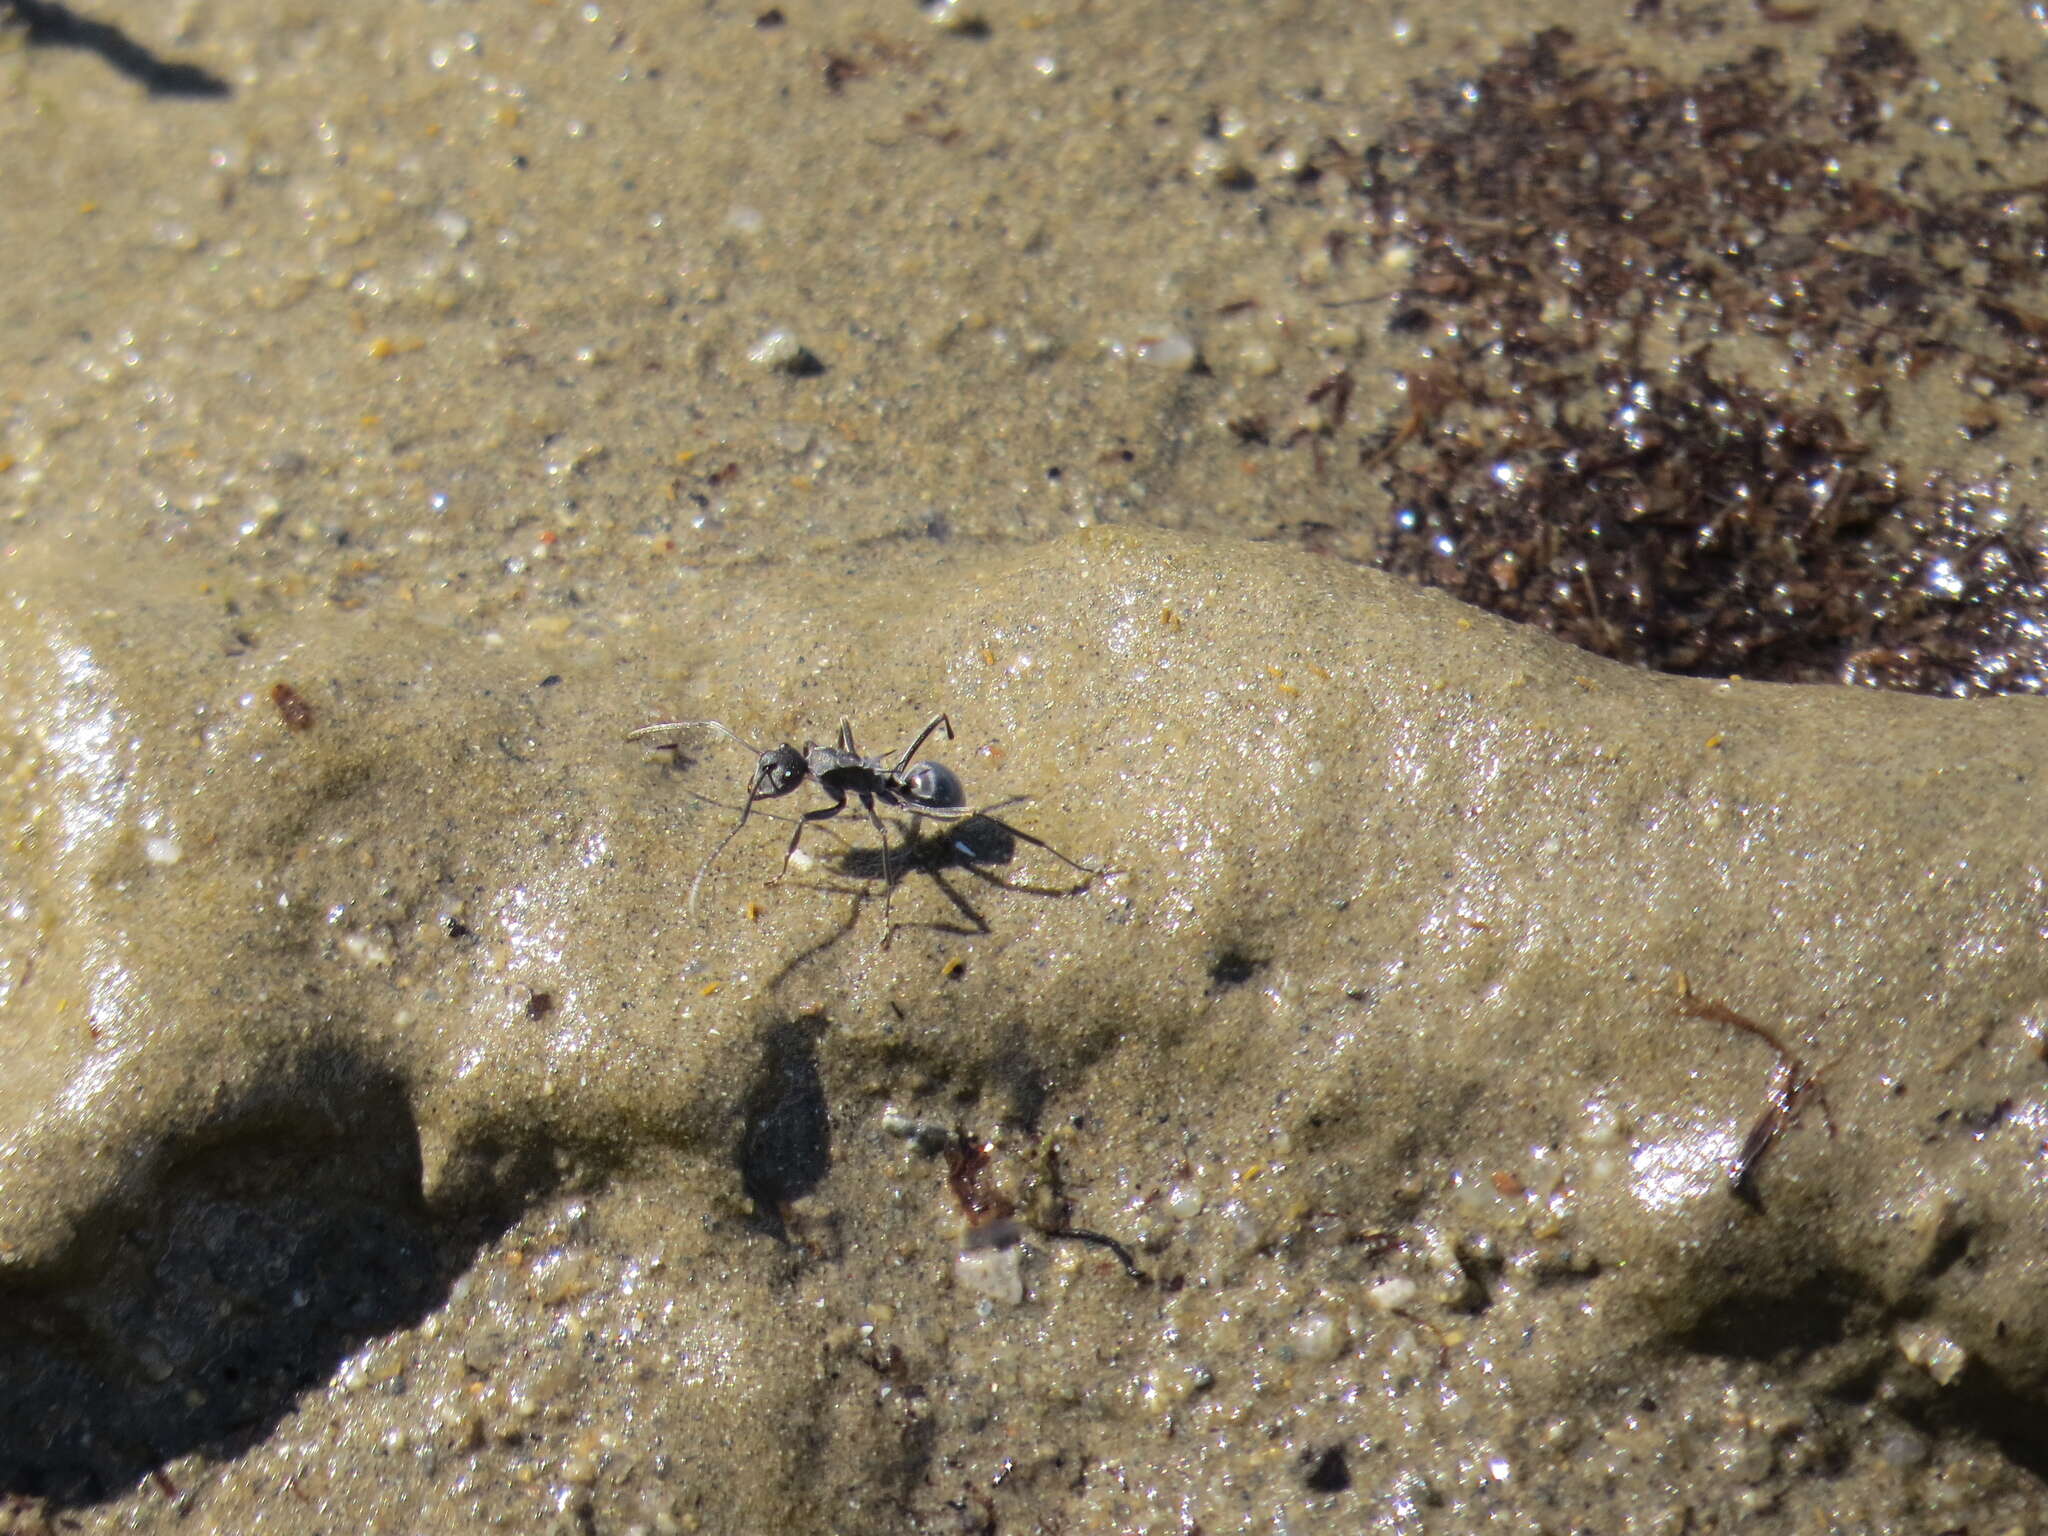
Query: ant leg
x=888 y=881
x=903 y=758
x=846 y=739
x=1038 y=842
x=823 y=813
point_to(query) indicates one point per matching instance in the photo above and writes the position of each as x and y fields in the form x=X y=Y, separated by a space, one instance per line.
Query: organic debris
x=1590 y=250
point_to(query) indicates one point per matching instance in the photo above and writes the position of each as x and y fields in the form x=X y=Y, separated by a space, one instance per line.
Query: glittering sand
x=388 y=1147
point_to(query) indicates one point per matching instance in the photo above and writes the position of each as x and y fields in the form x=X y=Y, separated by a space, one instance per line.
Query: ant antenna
x=903 y=758
x=669 y=727
x=697 y=881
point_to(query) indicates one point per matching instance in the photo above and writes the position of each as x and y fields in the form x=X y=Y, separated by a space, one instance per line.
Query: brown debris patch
x=1590 y=251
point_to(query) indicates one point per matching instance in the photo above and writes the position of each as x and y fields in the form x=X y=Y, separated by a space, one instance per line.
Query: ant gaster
x=923 y=789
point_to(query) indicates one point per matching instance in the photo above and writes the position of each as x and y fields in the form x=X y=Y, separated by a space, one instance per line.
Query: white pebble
x=1171 y=350
x=1184 y=1201
x=1257 y=360
x=955 y=16
x=777 y=349
x=162 y=850
x=996 y=1273
x=1319 y=1338
x=1934 y=1352
x=1604 y=1129
x=929 y=1136
x=1903 y=1448
x=366 y=949
x=1247 y=1232
x=1392 y=1295
x=1220 y=164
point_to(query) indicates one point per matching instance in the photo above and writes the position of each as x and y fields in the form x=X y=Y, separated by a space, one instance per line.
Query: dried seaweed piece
x=1794 y=1085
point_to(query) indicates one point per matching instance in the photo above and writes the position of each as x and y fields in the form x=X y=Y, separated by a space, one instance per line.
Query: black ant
x=923 y=789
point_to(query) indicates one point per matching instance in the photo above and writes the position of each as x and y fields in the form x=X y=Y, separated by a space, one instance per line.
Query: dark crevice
x=1952 y=1248
x=1982 y=1402
x=260 y=1261
x=1825 y=1318
x=1233 y=968
x=1768 y=1325
x=1328 y=1471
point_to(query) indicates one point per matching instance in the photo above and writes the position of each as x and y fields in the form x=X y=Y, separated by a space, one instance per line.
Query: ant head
x=934 y=785
x=777 y=773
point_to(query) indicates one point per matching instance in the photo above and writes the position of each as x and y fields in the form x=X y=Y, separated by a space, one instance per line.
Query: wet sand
x=389 y=1145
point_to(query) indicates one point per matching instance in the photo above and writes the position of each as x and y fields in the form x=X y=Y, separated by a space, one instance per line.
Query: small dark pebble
x=294 y=711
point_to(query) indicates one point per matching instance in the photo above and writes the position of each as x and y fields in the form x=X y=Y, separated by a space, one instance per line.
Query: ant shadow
x=52 y=25
x=979 y=847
